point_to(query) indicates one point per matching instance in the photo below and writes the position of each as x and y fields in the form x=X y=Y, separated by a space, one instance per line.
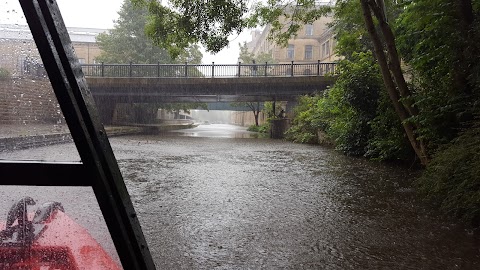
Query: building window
x=326 y=49
x=308 y=52
x=290 y=51
x=309 y=30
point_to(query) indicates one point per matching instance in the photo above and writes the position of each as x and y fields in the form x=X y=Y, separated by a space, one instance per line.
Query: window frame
x=309 y=30
x=99 y=168
x=308 y=53
x=291 y=51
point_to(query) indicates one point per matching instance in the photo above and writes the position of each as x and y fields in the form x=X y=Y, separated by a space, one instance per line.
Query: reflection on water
x=230 y=203
x=225 y=203
x=216 y=131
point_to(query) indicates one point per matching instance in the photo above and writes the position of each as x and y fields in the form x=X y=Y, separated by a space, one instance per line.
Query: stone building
x=19 y=54
x=314 y=42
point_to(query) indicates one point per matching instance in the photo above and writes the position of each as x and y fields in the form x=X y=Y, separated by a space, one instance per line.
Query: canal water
x=216 y=198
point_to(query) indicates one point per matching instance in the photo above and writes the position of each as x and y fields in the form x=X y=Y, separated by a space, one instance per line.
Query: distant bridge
x=213 y=70
x=151 y=83
x=159 y=83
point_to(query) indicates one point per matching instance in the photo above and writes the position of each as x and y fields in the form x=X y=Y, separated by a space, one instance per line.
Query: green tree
x=438 y=42
x=384 y=48
x=355 y=100
x=307 y=121
x=127 y=42
x=356 y=113
x=179 y=23
x=351 y=35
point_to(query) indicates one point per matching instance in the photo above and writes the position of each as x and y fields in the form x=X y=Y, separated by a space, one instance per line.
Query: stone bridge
x=128 y=83
x=157 y=90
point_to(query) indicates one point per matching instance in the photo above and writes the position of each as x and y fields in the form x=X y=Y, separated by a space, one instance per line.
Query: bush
x=306 y=121
x=452 y=179
x=254 y=128
x=355 y=114
x=261 y=128
x=4 y=74
x=388 y=141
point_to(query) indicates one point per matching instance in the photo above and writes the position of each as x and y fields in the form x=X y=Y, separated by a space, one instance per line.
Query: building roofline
x=22 y=32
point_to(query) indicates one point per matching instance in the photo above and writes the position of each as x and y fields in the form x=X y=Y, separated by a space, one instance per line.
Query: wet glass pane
x=30 y=116
x=63 y=229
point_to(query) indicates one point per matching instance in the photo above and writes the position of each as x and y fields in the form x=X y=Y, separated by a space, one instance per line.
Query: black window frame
x=99 y=168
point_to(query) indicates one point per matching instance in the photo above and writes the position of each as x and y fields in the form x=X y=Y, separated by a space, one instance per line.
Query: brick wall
x=28 y=101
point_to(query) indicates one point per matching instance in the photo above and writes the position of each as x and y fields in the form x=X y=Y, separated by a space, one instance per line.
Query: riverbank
x=14 y=137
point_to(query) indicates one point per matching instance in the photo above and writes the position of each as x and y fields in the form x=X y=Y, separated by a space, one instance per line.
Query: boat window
x=47 y=206
x=32 y=126
x=39 y=161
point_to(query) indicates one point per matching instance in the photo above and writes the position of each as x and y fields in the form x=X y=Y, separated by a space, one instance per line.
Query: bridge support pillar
x=289 y=108
x=278 y=127
x=106 y=110
x=144 y=113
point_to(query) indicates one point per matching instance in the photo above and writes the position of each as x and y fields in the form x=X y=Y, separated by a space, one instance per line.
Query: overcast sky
x=101 y=14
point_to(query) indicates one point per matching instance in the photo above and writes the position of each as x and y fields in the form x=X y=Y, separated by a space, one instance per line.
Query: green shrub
x=452 y=179
x=254 y=128
x=306 y=121
x=261 y=128
x=388 y=141
x=355 y=114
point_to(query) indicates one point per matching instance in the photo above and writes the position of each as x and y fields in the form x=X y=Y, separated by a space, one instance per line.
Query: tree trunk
x=394 y=60
x=255 y=110
x=465 y=9
x=467 y=46
x=404 y=111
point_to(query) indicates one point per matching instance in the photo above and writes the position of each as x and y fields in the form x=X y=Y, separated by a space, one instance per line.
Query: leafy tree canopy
x=178 y=23
x=127 y=42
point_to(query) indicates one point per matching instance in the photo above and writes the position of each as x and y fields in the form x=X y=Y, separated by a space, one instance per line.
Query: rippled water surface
x=213 y=201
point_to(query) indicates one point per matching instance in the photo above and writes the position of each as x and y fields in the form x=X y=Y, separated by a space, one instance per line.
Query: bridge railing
x=213 y=70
